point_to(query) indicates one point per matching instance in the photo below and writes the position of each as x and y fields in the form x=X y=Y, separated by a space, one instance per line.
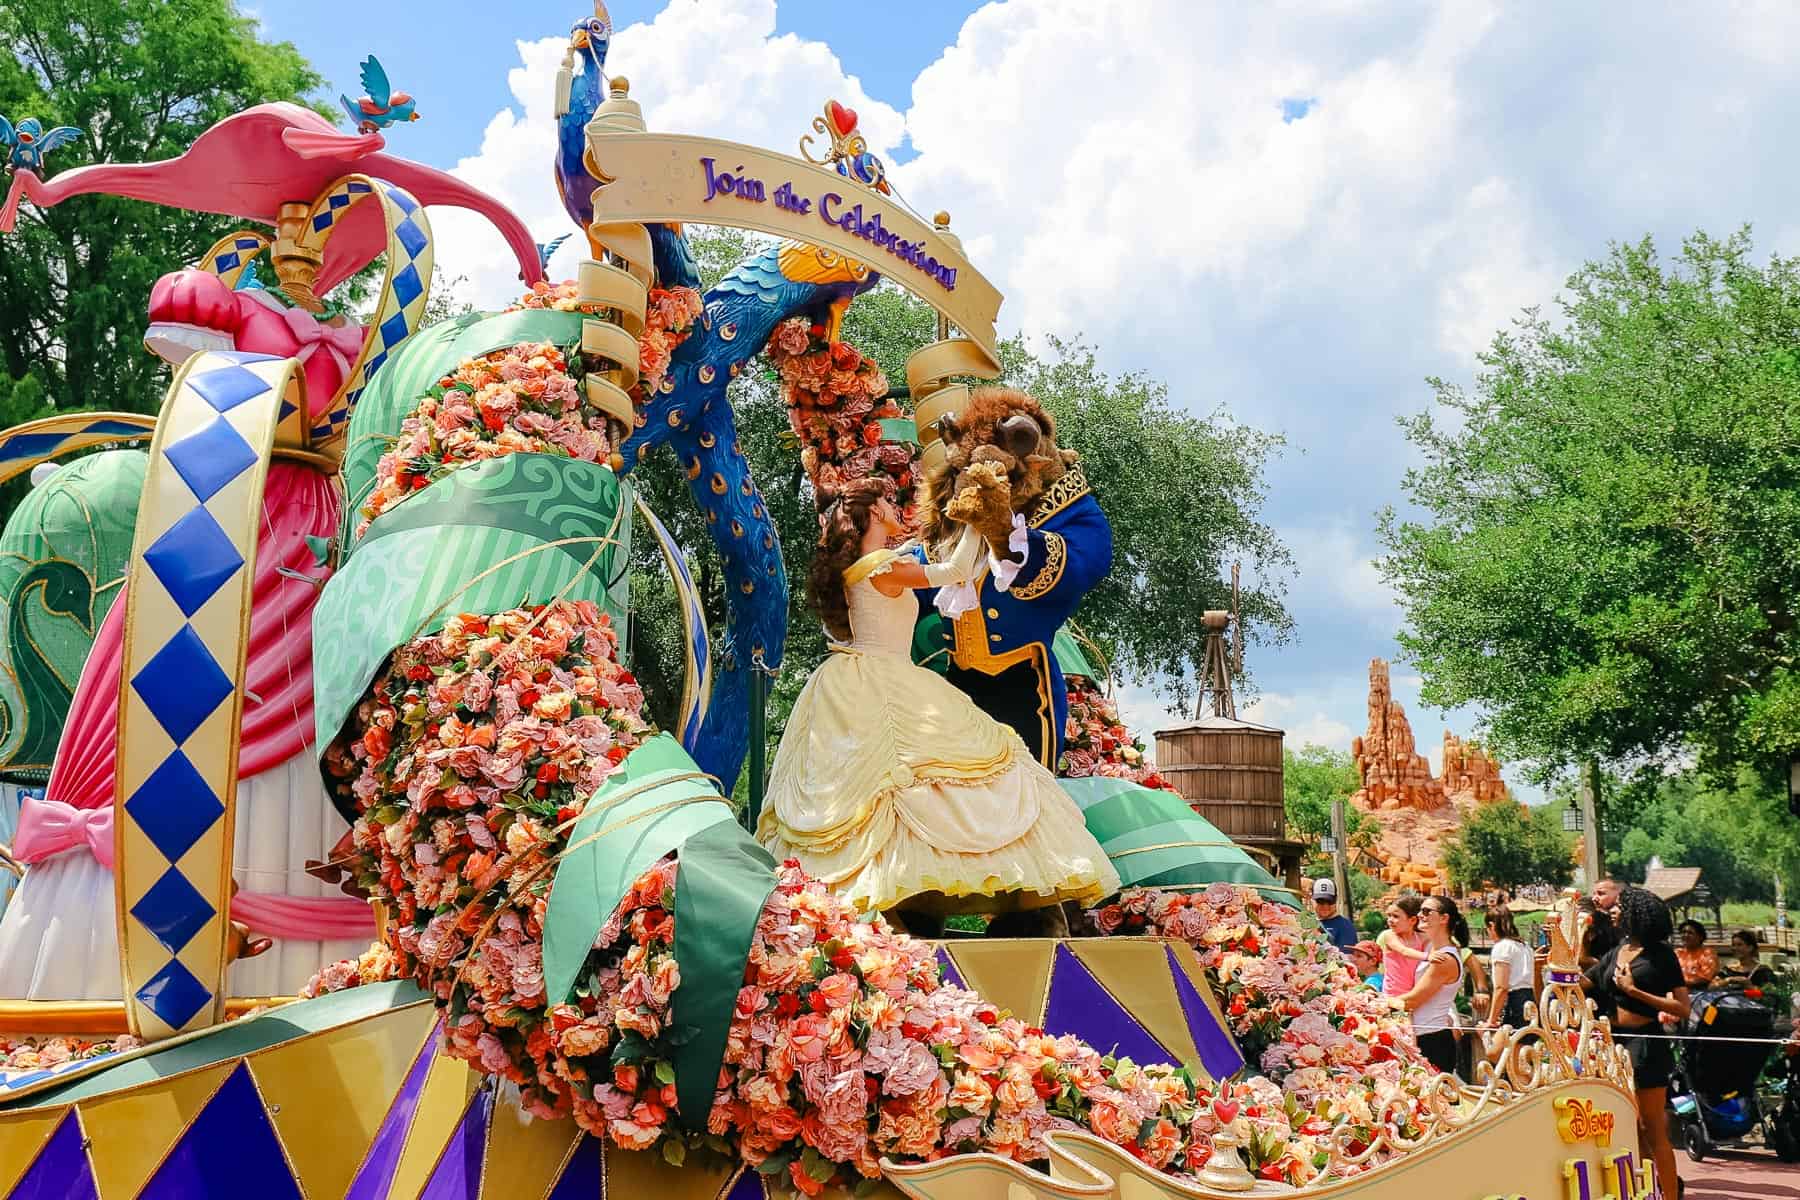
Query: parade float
x=445 y=513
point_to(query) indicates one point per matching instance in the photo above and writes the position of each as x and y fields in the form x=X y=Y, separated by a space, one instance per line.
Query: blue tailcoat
x=1000 y=652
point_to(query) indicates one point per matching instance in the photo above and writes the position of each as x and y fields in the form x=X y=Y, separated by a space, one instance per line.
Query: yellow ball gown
x=896 y=790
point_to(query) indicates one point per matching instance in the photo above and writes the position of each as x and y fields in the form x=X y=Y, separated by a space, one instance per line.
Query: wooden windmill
x=1221 y=667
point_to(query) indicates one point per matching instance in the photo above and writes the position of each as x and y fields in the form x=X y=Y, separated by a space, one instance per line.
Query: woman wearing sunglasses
x=1431 y=1001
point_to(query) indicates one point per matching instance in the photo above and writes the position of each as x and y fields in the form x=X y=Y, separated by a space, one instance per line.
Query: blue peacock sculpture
x=692 y=415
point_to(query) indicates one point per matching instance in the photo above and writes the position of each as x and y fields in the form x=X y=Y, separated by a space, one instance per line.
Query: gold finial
x=621 y=86
x=941 y=220
x=296 y=266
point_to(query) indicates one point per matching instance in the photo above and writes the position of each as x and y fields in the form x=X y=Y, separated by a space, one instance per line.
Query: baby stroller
x=1716 y=1094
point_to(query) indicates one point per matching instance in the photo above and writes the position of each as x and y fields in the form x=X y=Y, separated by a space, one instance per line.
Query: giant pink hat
x=253 y=162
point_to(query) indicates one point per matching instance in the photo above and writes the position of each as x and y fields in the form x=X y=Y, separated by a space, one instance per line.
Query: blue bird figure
x=380 y=105
x=589 y=40
x=547 y=250
x=29 y=142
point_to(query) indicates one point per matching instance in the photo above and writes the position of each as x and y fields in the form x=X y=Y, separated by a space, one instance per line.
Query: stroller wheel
x=1694 y=1138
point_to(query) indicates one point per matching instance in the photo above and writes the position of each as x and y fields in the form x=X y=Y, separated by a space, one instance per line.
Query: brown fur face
x=1003 y=426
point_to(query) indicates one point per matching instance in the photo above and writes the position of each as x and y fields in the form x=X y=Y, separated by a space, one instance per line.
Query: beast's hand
x=983 y=501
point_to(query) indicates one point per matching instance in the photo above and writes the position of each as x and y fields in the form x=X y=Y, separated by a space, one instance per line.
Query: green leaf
x=665 y=1072
x=595 y=873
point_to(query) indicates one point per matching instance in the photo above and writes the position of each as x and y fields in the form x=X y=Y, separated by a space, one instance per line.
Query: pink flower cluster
x=668 y=316
x=1096 y=742
x=467 y=764
x=520 y=399
x=836 y=401
x=846 y=1047
x=1337 y=1051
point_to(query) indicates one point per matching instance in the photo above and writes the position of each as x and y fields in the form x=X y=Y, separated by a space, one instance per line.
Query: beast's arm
x=1065 y=560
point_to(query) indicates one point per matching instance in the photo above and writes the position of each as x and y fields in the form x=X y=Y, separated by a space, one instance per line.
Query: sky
x=1294 y=213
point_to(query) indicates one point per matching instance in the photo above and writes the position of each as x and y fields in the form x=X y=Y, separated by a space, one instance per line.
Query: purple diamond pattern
x=230 y=1149
x=948 y=970
x=174 y=995
x=227 y=387
x=584 y=1178
x=458 y=1172
x=1218 y=1053
x=61 y=1170
x=193 y=558
x=182 y=685
x=1079 y=1005
x=174 y=806
x=173 y=910
x=377 y=1171
x=212 y=457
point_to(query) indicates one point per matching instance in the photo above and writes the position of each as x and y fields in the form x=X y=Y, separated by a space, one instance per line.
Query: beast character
x=1001 y=473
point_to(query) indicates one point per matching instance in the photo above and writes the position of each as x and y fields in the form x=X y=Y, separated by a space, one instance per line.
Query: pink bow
x=343 y=341
x=49 y=827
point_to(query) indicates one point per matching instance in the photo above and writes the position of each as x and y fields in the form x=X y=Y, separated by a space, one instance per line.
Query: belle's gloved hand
x=960 y=567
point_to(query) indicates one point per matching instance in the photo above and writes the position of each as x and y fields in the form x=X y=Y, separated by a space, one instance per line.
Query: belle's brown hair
x=846 y=520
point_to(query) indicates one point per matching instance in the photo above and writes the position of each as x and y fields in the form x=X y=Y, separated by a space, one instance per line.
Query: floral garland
x=1096 y=741
x=525 y=398
x=836 y=402
x=669 y=316
x=520 y=399
x=1341 y=1058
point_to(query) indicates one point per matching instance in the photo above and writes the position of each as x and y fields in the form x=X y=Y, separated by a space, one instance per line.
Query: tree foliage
x=1610 y=557
x=1312 y=777
x=1510 y=845
x=142 y=79
x=1738 y=832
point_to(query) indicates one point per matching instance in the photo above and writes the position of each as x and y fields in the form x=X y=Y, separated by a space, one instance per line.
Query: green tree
x=1311 y=779
x=1510 y=845
x=1609 y=557
x=142 y=79
x=1731 y=830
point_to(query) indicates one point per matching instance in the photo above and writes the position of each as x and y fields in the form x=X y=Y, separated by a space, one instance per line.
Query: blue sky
x=1291 y=213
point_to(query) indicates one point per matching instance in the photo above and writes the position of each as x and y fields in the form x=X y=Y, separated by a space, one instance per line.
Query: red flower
x=988 y=1016
x=547 y=773
x=871 y=434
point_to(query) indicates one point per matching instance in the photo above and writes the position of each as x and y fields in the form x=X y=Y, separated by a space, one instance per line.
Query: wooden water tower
x=1229 y=770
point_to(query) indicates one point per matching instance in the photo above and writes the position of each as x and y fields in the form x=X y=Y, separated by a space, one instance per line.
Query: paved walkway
x=1739 y=1175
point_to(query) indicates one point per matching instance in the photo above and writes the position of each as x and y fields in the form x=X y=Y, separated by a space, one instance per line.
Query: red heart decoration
x=1225 y=1110
x=843 y=120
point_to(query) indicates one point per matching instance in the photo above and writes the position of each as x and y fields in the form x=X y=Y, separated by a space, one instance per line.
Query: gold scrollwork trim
x=1056 y=557
x=1065 y=491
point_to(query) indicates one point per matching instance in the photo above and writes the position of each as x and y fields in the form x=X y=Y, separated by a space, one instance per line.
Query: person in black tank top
x=1635 y=984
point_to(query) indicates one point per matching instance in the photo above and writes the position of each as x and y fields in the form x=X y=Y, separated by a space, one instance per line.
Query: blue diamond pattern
x=249 y=244
x=227 y=387
x=394 y=329
x=405 y=202
x=322 y=222
x=357 y=185
x=288 y=409
x=193 y=559
x=225 y=262
x=245 y=357
x=173 y=909
x=374 y=363
x=174 y=995
x=174 y=806
x=182 y=685
x=410 y=235
x=339 y=199
x=211 y=458
x=407 y=286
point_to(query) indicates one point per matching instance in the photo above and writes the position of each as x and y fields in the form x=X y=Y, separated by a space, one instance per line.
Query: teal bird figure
x=380 y=105
x=29 y=143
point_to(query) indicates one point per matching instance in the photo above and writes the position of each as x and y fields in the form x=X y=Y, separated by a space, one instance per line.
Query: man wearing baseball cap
x=1325 y=903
